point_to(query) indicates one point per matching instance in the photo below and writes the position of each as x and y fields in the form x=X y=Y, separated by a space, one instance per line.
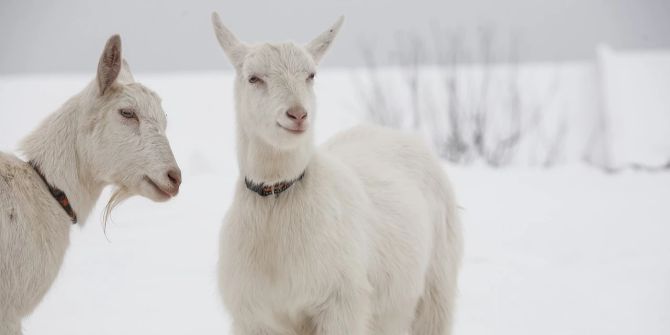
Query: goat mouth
x=158 y=188
x=292 y=131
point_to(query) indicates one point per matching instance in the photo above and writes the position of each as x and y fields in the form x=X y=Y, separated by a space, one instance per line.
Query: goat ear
x=109 y=66
x=234 y=49
x=125 y=75
x=318 y=47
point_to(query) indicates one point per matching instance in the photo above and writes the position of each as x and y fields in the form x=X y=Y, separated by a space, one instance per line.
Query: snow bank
x=636 y=101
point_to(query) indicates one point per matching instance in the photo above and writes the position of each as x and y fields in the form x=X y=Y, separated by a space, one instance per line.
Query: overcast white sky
x=67 y=35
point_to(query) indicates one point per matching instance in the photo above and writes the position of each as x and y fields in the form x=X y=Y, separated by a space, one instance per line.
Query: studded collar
x=264 y=190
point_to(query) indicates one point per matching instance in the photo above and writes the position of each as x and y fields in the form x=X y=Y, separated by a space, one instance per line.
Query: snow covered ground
x=569 y=250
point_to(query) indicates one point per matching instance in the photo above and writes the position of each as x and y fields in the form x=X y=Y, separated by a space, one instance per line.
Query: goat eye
x=128 y=113
x=311 y=76
x=254 y=80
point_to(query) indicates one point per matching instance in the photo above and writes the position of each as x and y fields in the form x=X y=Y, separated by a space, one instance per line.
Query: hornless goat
x=359 y=236
x=111 y=133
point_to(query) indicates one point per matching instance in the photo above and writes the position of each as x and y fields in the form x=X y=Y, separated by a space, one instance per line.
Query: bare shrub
x=470 y=102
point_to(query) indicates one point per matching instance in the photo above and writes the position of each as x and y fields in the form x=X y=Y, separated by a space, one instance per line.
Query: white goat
x=359 y=236
x=113 y=132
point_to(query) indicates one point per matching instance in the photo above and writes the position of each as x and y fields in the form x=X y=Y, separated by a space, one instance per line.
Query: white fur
x=84 y=146
x=368 y=242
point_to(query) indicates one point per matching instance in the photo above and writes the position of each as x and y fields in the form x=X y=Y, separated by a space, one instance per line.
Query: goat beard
x=119 y=195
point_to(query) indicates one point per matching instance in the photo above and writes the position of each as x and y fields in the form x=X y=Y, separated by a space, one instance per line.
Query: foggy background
x=67 y=35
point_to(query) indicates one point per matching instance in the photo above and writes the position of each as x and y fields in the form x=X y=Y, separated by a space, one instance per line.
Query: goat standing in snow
x=359 y=236
x=113 y=132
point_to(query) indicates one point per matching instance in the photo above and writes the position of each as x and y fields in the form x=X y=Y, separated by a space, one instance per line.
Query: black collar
x=57 y=194
x=264 y=190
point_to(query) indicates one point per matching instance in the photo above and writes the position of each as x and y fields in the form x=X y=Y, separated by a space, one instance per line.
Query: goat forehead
x=278 y=58
x=141 y=92
x=146 y=100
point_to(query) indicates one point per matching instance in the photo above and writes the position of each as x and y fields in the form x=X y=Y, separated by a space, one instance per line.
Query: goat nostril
x=175 y=177
x=296 y=113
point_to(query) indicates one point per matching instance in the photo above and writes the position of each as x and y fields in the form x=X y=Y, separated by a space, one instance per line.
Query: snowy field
x=570 y=250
